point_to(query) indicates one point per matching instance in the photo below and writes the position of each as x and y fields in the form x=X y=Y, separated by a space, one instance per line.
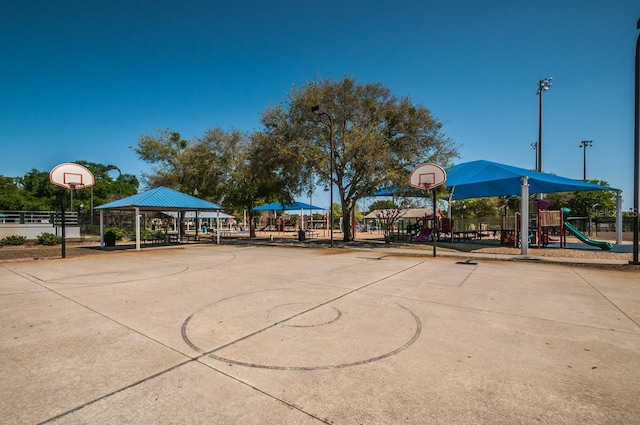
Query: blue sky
x=84 y=79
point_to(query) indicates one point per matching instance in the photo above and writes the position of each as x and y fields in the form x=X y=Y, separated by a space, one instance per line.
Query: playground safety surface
x=246 y=334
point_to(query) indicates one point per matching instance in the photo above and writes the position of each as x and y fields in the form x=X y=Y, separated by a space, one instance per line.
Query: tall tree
x=478 y=207
x=226 y=167
x=378 y=138
x=39 y=193
x=587 y=203
x=108 y=186
x=11 y=197
x=251 y=179
x=590 y=203
x=167 y=153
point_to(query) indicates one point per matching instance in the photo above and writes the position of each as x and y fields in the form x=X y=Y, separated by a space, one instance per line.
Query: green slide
x=605 y=246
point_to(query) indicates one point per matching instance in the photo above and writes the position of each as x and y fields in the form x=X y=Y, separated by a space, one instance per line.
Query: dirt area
x=33 y=251
x=542 y=252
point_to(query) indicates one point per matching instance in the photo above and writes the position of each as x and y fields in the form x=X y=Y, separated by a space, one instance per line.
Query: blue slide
x=605 y=246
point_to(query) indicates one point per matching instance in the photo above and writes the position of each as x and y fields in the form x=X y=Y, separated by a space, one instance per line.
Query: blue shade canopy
x=161 y=199
x=277 y=206
x=480 y=179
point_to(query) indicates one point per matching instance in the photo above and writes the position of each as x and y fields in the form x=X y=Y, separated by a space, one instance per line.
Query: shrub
x=118 y=233
x=148 y=235
x=13 y=240
x=49 y=239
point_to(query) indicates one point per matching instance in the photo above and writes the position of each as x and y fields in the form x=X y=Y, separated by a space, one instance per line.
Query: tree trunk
x=346 y=222
x=252 y=229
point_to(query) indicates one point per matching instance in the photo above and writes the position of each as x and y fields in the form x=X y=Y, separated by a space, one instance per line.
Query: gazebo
x=296 y=206
x=158 y=199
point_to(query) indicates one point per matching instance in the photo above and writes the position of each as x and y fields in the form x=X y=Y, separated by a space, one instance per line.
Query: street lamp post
x=318 y=110
x=636 y=153
x=534 y=146
x=114 y=167
x=584 y=145
x=543 y=86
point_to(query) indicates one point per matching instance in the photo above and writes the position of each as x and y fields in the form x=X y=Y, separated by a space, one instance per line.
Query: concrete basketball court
x=274 y=335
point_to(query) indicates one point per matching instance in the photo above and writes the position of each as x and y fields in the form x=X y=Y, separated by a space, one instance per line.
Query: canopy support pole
x=618 y=217
x=524 y=222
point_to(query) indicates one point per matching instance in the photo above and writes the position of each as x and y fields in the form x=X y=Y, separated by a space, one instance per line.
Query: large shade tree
x=588 y=203
x=378 y=139
x=11 y=197
x=227 y=167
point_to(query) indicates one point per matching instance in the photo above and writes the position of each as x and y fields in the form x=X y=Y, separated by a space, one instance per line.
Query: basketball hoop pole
x=433 y=234
x=72 y=186
x=429 y=177
x=426 y=187
x=63 y=223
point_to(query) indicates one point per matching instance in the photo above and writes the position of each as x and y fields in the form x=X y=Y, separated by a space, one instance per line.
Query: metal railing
x=37 y=217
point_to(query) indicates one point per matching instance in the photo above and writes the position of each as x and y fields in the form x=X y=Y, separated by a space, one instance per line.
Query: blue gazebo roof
x=161 y=199
x=278 y=206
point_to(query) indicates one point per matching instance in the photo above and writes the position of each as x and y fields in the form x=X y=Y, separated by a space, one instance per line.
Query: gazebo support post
x=101 y=228
x=137 y=229
x=218 y=227
x=197 y=226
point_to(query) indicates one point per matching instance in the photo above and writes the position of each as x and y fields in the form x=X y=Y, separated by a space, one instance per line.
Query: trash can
x=109 y=239
x=301 y=235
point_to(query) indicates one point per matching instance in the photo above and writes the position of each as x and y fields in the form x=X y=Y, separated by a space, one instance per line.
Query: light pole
x=318 y=110
x=543 y=86
x=114 y=167
x=636 y=153
x=534 y=146
x=584 y=145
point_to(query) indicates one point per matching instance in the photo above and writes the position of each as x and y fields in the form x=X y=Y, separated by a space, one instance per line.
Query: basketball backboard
x=428 y=176
x=71 y=176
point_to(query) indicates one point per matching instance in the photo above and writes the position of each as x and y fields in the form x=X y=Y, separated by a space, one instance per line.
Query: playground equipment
x=547 y=221
x=424 y=235
x=510 y=229
x=605 y=246
x=424 y=228
x=542 y=225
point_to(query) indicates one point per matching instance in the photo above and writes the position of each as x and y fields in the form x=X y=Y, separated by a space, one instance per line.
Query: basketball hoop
x=71 y=176
x=428 y=176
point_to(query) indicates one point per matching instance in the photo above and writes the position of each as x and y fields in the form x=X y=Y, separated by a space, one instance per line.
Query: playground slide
x=424 y=235
x=605 y=246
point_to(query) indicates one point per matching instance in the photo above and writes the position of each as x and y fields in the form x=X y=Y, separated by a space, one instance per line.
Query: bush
x=147 y=234
x=13 y=240
x=118 y=233
x=49 y=239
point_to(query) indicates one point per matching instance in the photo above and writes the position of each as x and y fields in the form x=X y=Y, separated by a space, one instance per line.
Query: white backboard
x=428 y=176
x=71 y=176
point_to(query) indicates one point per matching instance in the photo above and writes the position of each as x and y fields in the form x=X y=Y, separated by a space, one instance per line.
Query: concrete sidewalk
x=272 y=335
